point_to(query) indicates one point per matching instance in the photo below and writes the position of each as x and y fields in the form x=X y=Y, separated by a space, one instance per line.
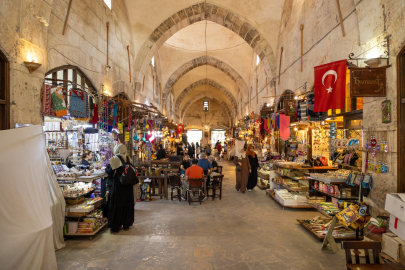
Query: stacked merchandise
x=328 y=208
x=76 y=189
x=319 y=227
x=332 y=176
x=289 y=199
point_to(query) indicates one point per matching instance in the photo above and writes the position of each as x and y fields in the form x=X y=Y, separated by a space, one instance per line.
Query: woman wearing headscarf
x=106 y=154
x=242 y=175
x=121 y=211
x=254 y=163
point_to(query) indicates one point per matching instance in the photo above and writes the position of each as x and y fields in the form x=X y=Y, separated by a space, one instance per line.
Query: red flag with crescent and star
x=180 y=129
x=330 y=86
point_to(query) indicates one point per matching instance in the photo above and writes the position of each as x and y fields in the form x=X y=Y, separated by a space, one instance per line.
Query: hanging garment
x=315 y=116
x=299 y=111
x=284 y=127
x=79 y=104
x=115 y=115
x=129 y=118
x=94 y=119
x=47 y=106
x=58 y=101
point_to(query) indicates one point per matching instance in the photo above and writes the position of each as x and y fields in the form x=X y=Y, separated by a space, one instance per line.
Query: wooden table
x=391 y=266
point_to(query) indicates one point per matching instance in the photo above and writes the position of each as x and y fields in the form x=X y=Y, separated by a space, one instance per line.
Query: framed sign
x=289 y=105
x=386 y=111
x=368 y=82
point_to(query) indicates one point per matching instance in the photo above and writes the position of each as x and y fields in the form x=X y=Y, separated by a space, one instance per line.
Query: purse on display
x=358 y=179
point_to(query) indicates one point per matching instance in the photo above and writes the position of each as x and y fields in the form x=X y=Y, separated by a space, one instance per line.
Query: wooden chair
x=175 y=183
x=216 y=184
x=220 y=169
x=195 y=185
x=366 y=245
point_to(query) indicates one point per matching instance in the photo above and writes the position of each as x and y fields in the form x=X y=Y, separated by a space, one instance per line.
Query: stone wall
x=216 y=116
x=366 y=23
x=84 y=44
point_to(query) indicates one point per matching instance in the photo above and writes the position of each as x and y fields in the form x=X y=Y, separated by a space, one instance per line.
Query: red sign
x=330 y=86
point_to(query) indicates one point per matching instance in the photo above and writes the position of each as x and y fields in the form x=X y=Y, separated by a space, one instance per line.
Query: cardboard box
x=395 y=205
x=397 y=226
x=393 y=246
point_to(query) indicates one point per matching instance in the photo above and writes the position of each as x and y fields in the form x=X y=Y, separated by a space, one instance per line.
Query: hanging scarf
x=47 y=106
x=115 y=115
x=94 y=119
x=79 y=104
x=58 y=101
x=129 y=118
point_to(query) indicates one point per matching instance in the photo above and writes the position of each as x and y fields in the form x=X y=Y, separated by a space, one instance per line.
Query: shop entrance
x=4 y=93
x=218 y=135
x=194 y=135
x=401 y=121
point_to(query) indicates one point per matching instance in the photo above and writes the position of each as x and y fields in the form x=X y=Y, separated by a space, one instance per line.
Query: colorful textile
x=58 y=101
x=115 y=115
x=94 y=119
x=47 y=107
x=129 y=118
x=79 y=104
x=284 y=127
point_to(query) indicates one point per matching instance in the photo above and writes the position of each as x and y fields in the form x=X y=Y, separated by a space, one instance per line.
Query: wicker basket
x=312 y=200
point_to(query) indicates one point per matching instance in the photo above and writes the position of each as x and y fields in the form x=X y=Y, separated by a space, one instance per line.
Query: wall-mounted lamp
x=32 y=63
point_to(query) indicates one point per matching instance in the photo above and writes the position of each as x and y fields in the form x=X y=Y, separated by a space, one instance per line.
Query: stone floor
x=241 y=231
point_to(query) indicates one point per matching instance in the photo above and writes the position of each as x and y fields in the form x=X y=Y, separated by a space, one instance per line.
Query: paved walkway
x=242 y=231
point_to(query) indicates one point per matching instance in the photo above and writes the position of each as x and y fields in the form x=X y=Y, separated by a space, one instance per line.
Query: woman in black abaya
x=254 y=163
x=121 y=211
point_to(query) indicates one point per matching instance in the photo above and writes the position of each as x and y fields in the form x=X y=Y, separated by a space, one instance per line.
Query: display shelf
x=82 y=178
x=288 y=188
x=273 y=196
x=82 y=214
x=352 y=168
x=307 y=178
x=87 y=234
x=333 y=182
x=337 y=197
x=322 y=212
x=321 y=238
x=74 y=198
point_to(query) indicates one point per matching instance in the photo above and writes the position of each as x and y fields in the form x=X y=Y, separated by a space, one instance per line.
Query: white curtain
x=31 y=204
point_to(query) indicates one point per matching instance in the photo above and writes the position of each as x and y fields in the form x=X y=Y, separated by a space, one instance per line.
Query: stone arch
x=201 y=61
x=191 y=102
x=199 y=12
x=277 y=105
x=196 y=84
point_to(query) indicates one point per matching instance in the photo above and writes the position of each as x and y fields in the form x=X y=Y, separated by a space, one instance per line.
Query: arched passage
x=201 y=61
x=200 y=83
x=196 y=13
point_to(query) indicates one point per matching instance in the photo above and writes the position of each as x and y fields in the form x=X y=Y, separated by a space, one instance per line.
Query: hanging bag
x=129 y=175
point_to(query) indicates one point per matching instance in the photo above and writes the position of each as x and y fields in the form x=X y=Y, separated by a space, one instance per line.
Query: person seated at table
x=161 y=153
x=206 y=165
x=214 y=165
x=185 y=164
x=194 y=171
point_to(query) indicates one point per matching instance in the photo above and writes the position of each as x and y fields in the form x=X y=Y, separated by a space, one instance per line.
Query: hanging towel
x=58 y=101
x=265 y=124
x=284 y=127
x=79 y=104
x=278 y=121
x=115 y=115
x=47 y=106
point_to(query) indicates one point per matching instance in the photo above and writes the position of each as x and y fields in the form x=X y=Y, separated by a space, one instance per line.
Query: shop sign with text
x=368 y=82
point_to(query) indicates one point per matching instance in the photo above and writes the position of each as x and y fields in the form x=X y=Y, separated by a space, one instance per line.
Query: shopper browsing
x=121 y=212
x=161 y=153
x=208 y=150
x=106 y=182
x=254 y=163
x=87 y=157
x=242 y=170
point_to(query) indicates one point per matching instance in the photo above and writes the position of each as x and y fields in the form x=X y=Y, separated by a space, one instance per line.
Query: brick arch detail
x=202 y=61
x=199 y=12
x=192 y=101
x=196 y=84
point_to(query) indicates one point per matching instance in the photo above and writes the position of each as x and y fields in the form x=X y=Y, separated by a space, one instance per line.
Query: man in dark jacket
x=161 y=153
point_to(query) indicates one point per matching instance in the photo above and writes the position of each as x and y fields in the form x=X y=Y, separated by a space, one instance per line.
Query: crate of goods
x=75 y=201
x=301 y=200
x=312 y=200
x=264 y=176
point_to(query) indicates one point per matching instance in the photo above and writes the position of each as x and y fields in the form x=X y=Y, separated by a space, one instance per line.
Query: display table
x=390 y=266
x=89 y=179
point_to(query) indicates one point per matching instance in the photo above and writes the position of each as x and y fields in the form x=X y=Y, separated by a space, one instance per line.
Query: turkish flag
x=330 y=86
x=180 y=128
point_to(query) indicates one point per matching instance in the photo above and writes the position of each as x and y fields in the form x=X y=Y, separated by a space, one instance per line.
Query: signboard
x=368 y=82
x=289 y=105
x=127 y=136
x=121 y=127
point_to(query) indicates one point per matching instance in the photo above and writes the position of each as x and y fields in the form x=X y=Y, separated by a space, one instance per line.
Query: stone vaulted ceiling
x=211 y=45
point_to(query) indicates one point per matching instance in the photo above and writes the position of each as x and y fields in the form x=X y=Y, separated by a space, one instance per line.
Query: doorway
x=401 y=121
x=194 y=135
x=4 y=92
x=218 y=135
